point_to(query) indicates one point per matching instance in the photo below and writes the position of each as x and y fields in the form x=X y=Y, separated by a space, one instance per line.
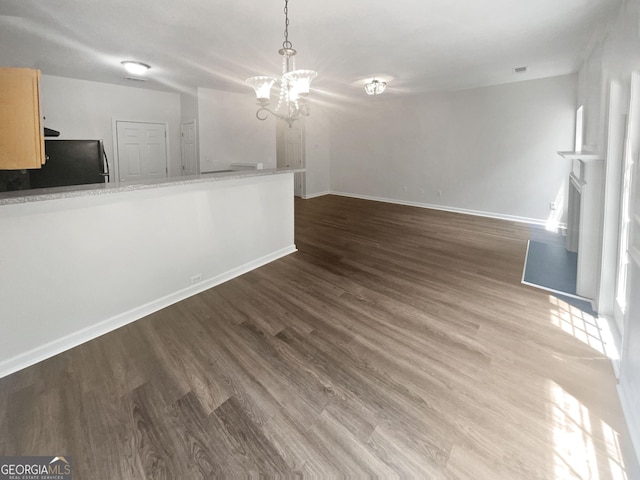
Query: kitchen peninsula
x=78 y=262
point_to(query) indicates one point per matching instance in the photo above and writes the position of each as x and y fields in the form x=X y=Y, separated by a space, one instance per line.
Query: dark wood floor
x=397 y=342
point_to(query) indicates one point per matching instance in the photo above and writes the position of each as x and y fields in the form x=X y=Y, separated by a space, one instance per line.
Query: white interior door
x=293 y=146
x=190 y=164
x=142 y=151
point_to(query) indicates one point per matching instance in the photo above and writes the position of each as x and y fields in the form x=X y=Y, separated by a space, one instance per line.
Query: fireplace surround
x=584 y=218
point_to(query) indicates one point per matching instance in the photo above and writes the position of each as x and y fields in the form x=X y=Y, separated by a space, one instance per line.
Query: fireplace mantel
x=583 y=156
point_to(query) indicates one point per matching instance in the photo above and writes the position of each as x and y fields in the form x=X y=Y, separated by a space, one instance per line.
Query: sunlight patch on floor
x=575 y=435
x=614 y=452
x=577 y=323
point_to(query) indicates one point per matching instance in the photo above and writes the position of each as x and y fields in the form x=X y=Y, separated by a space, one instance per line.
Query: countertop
x=43 y=194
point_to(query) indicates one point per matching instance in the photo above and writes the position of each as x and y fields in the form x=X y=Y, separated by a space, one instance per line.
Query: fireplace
x=584 y=218
x=573 y=213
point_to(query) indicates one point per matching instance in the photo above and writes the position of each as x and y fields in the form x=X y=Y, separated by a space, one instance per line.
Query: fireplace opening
x=573 y=214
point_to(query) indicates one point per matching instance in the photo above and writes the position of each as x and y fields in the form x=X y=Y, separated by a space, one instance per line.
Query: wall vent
x=135 y=79
x=518 y=70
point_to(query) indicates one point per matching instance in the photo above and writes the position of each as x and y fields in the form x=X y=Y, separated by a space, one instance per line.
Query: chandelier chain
x=286 y=44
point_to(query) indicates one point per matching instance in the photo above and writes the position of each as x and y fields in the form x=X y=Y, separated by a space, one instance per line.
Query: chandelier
x=294 y=84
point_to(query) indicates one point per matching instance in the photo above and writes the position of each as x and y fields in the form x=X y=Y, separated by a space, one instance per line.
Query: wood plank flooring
x=397 y=342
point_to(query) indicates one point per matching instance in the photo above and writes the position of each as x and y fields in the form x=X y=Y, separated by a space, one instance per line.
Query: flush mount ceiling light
x=135 y=68
x=374 y=87
x=294 y=84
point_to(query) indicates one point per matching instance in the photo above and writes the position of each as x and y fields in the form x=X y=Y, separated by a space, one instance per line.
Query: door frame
x=197 y=149
x=631 y=156
x=114 y=134
x=616 y=118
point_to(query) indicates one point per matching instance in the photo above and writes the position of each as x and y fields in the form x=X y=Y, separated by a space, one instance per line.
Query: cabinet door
x=21 y=135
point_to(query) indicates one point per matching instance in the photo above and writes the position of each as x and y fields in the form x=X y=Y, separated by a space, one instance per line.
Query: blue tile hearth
x=551 y=267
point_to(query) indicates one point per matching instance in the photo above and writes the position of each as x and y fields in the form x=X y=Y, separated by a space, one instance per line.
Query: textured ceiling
x=415 y=45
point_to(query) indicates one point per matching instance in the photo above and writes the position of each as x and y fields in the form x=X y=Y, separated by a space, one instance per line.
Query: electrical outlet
x=552 y=206
x=196 y=278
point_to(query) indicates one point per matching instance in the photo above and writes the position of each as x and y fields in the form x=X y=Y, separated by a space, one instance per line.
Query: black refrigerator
x=71 y=162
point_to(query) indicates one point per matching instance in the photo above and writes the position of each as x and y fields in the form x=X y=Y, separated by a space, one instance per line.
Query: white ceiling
x=415 y=45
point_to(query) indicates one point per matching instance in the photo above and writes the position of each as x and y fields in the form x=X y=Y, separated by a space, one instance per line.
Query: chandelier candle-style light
x=294 y=84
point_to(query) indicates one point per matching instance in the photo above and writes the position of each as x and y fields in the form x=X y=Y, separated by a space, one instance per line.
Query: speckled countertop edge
x=43 y=194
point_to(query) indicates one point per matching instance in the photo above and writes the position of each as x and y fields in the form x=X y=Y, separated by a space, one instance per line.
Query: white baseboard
x=477 y=213
x=314 y=195
x=79 y=337
x=444 y=208
x=612 y=340
x=632 y=417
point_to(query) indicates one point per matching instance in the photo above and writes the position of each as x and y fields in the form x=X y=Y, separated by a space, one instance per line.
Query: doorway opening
x=290 y=151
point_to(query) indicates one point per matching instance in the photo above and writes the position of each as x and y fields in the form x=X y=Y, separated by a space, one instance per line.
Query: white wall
x=591 y=93
x=488 y=150
x=75 y=268
x=230 y=132
x=80 y=109
x=189 y=106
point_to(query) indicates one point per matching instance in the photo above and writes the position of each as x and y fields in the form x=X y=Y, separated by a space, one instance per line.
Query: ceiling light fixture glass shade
x=262 y=85
x=135 y=68
x=294 y=84
x=375 y=87
x=300 y=81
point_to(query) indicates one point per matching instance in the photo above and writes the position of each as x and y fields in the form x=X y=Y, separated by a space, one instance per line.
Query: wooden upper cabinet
x=21 y=132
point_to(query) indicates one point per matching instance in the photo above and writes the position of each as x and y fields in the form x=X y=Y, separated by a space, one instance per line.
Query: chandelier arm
x=262 y=110
x=292 y=117
x=277 y=115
